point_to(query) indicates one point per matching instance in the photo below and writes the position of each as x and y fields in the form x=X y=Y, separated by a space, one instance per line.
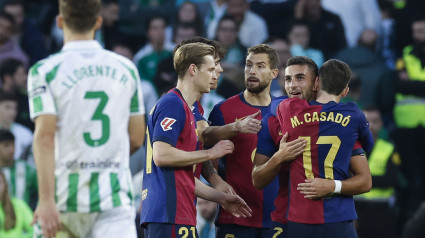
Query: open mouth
x=295 y=94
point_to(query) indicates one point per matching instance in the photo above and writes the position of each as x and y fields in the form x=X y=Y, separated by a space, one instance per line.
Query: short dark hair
x=8 y=17
x=334 y=76
x=9 y=66
x=14 y=2
x=303 y=60
x=269 y=51
x=80 y=15
x=217 y=46
x=153 y=16
x=6 y=135
x=5 y=96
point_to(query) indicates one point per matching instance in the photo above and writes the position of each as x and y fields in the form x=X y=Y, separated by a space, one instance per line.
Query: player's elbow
x=368 y=184
x=160 y=160
x=256 y=181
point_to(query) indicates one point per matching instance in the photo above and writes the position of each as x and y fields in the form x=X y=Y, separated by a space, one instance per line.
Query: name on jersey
x=323 y=116
x=166 y=123
x=94 y=71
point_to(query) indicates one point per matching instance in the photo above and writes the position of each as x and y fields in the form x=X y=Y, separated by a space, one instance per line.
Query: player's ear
x=275 y=73
x=192 y=69
x=345 y=91
x=59 y=21
x=98 y=23
x=316 y=84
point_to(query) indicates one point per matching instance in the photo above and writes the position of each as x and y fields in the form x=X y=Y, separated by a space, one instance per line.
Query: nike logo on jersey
x=280 y=133
x=166 y=123
x=238 y=119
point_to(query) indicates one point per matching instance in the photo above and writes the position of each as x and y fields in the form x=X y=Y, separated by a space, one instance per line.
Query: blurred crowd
x=383 y=41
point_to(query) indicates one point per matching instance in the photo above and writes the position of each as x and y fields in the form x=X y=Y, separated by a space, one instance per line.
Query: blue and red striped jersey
x=198 y=113
x=236 y=168
x=331 y=131
x=168 y=192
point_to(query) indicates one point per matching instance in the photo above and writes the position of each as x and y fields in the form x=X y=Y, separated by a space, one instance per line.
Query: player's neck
x=189 y=94
x=258 y=99
x=324 y=97
x=72 y=36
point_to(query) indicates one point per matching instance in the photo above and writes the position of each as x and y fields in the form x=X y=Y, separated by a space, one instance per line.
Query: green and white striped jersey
x=93 y=92
x=22 y=181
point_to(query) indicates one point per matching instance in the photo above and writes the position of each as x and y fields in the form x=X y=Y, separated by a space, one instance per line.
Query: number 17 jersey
x=92 y=92
x=331 y=131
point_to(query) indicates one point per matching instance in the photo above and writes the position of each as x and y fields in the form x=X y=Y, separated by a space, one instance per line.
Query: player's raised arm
x=210 y=135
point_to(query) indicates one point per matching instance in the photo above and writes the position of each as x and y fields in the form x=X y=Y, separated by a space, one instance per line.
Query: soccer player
x=235 y=168
x=89 y=116
x=211 y=135
x=301 y=82
x=169 y=185
x=331 y=131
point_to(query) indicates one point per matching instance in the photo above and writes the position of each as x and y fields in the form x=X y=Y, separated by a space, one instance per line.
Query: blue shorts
x=327 y=230
x=165 y=230
x=237 y=231
x=278 y=230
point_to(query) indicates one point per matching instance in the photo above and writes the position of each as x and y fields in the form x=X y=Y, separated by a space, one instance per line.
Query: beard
x=256 y=89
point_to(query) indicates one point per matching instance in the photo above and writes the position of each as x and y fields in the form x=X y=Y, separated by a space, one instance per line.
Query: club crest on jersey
x=166 y=123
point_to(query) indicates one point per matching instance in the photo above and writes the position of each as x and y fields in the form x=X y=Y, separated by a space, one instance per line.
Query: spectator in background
x=8 y=112
x=415 y=226
x=157 y=49
x=187 y=13
x=377 y=79
x=25 y=32
x=375 y=208
x=166 y=77
x=8 y=47
x=409 y=117
x=215 y=11
x=355 y=92
x=282 y=49
x=20 y=175
x=326 y=30
x=356 y=16
x=206 y=212
x=234 y=59
x=13 y=78
x=386 y=44
x=252 y=28
x=17 y=216
x=299 y=41
x=109 y=11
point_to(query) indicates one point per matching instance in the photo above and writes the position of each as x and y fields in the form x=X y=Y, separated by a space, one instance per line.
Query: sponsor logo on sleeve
x=166 y=123
x=38 y=91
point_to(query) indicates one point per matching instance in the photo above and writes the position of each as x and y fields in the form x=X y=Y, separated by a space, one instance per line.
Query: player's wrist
x=338 y=187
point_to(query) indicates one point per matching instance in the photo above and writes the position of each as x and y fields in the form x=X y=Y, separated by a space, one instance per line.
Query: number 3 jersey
x=331 y=131
x=92 y=92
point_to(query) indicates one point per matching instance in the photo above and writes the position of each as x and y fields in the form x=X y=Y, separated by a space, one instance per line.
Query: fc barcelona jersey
x=236 y=168
x=331 y=131
x=168 y=192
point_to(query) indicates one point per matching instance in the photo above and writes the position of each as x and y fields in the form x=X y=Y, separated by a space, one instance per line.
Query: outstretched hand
x=236 y=206
x=290 y=150
x=316 y=188
x=249 y=124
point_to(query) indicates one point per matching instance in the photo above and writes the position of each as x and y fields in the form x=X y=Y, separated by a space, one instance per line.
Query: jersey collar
x=82 y=44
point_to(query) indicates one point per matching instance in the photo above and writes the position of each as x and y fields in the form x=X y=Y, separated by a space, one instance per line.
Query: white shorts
x=116 y=222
